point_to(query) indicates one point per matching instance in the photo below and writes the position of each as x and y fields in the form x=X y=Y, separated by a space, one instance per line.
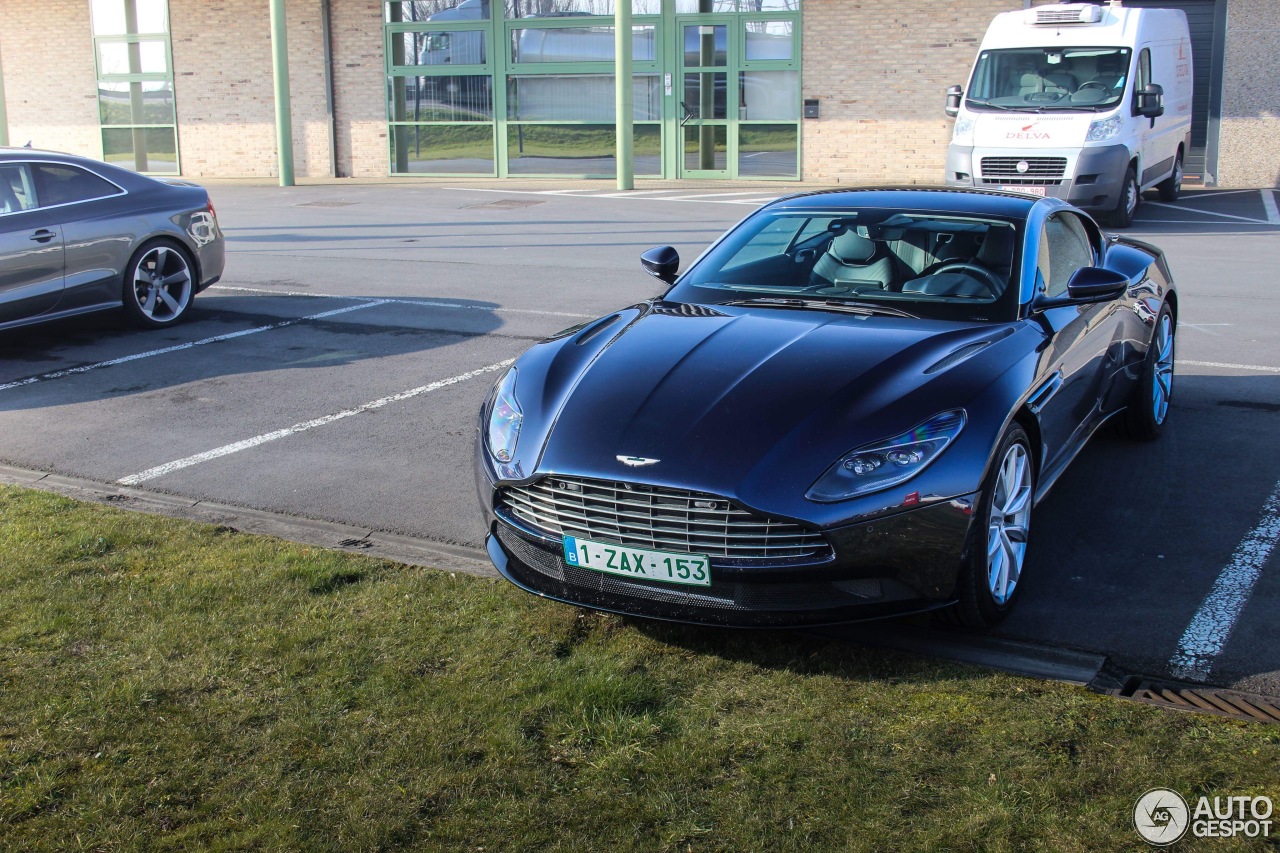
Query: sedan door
x=1079 y=358
x=31 y=248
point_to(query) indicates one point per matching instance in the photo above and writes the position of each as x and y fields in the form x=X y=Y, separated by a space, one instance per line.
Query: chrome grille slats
x=1040 y=170
x=658 y=518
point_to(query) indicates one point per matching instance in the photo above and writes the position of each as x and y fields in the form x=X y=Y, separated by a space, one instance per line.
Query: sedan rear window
x=61 y=184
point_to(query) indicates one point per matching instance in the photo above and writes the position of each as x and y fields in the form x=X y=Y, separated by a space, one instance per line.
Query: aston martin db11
x=846 y=408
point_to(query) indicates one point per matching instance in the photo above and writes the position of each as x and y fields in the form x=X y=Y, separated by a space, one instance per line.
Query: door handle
x=688 y=113
x=44 y=235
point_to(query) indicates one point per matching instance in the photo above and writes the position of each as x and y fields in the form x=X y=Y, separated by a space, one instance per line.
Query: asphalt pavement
x=334 y=375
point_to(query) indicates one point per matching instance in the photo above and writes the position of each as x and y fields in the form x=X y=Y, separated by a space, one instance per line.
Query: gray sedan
x=78 y=235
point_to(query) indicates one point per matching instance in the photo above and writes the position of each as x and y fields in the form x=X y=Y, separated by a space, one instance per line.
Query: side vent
x=1047 y=16
x=597 y=329
x=684 y=309
x=954 y=358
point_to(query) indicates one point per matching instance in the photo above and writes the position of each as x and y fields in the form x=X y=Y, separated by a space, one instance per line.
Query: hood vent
x=954 y=358
x=684 y=309
x=1054 y=15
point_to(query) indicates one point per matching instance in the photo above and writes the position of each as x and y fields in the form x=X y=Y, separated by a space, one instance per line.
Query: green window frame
x=133 y=64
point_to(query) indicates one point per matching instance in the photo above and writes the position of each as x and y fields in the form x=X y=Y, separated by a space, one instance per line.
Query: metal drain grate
x=325 y=204
x=1201 y=699
x=506 y=204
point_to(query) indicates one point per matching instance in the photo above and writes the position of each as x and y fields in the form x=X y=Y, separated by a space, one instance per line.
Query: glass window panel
x=769 y=5
x=437 y=10
x=16 y=191
x=111 y=17
x=540 y=149
x=768 y=150
x=704 y=46
x=151 y=149
x=695 y=7
x=706 y=147
x=144 y=57
x=580 y=97
x=460 y=149
x=768 y=40
x=575 y=8
x=578 y=44
x=136 y=103
x=461 y=98
x=704 y=94
x=773 y=95
x=58 y=184
x=462 y=47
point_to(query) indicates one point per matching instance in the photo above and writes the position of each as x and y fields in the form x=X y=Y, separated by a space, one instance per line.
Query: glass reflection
x=462 y=98
x=136 y=103
x=143 y=149
x=578 y=44
x=768 y=151
x=460 y=149
x=580 y=97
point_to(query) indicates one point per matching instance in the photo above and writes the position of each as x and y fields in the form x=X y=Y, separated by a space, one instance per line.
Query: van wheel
x=1127 y=204
x=1171 y=187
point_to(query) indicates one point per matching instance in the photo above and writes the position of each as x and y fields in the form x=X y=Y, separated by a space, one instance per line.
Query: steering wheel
x=982 y=274
x=1093 y=84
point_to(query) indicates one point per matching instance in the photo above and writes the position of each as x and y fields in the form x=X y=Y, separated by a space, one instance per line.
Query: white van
x=1087 y=103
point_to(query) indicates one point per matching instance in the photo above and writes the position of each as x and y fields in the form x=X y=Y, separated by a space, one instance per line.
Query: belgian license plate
x=1029 y=190
x=691 y=569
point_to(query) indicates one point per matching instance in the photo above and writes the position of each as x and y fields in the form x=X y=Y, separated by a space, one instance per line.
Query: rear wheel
x=992 y=573
x=1127 y=204
x=159 y=284
x=1149 y=406
x=1171 y=187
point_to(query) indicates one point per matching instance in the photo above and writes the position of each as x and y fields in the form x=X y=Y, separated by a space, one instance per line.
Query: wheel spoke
x=1016 y=533
x=997 y=573
x=162 y=255
x=149 y=304
x=180 y=277
x=167 y=299
x=1018 y=503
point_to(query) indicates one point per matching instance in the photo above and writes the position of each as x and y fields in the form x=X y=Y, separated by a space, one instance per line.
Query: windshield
x=1049 y=78
x=926 y=264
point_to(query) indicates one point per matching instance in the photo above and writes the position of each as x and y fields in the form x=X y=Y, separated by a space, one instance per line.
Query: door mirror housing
x=1087 y=286
x=662 y=263
x=954 y=94
x=1148 y=101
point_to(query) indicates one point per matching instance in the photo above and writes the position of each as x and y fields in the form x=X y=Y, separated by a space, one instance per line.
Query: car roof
x=931 y=199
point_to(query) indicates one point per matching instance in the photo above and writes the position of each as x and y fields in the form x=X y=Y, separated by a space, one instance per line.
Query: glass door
x=708 y=86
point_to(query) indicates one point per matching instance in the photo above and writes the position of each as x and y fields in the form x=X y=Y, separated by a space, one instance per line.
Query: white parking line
x=1207 y=634
x=236 y=447
x=1210 y=213
x=428 y=303
x=57 y=374
x=1260 y=367
x=1269 y=205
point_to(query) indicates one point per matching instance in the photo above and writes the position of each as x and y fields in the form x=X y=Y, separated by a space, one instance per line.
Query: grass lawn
x=166 y=685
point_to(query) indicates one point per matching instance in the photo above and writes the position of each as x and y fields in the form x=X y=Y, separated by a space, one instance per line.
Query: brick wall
x=359 y=88
x=223 y=86
x=50 y=85
x=1249 y=143
x=881 y=69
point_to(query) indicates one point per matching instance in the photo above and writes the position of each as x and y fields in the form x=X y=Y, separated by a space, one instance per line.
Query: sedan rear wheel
x=992 y=574
x=158 y=285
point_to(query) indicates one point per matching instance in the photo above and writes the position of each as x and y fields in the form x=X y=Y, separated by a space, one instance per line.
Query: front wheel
x=1149 y=406
x=992 y=572
x=158 y=285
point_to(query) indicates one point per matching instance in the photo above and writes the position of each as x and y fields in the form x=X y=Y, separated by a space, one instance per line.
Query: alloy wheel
x=162 y=284
x=1010 y=516
x=1162 y=387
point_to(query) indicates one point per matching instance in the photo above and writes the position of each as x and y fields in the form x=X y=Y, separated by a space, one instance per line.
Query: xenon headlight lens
x=873 y=467
x=1104 y=129
x=505 y=419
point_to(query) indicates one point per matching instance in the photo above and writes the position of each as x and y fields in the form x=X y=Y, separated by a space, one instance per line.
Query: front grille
x=658 y=518
x=1041 y=171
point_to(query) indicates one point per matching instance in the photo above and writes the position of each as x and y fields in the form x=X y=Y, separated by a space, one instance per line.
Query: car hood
x=746 y=402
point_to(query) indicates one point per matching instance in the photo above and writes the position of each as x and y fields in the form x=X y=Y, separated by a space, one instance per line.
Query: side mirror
x=954 y=94
x=1087 y=285
x=662 y=263
x=1149 y=101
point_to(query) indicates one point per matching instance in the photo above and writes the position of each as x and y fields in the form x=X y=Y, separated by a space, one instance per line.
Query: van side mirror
x=954 y=94
x=1149 y=101
x=662 y=263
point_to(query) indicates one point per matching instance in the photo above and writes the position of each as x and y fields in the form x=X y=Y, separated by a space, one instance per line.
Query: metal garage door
x=1202 y=19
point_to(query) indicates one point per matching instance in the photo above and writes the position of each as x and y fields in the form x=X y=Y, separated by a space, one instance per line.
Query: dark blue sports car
x=845 y=409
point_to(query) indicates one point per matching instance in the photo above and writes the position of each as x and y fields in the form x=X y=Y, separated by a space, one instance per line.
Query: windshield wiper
x=1006 y=107
x=824 y=305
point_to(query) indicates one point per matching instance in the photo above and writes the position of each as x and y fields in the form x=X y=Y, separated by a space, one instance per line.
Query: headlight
x=962 y=133
x=505 y=419
x=873 y=467
x=1104 y=129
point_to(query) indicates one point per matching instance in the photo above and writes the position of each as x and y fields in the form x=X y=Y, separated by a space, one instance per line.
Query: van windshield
x=1036 y=79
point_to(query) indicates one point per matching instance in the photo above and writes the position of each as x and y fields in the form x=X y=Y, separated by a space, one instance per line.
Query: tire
x=1127 y=204
x=158 y=285
x=1171 y=187
x=990 y=577
x=1149 y=406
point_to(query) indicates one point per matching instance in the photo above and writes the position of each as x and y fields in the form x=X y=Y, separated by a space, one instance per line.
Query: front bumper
x=904 y=563
x=1093 y=178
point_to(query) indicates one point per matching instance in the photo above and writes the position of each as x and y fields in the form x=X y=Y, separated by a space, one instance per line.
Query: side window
x=59 y=184
x=16 y=193
x=1068 y=247
x=1142 y=75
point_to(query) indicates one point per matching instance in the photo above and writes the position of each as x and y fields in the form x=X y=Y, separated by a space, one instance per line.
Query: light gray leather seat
x=995 y=254
x=852 y=260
